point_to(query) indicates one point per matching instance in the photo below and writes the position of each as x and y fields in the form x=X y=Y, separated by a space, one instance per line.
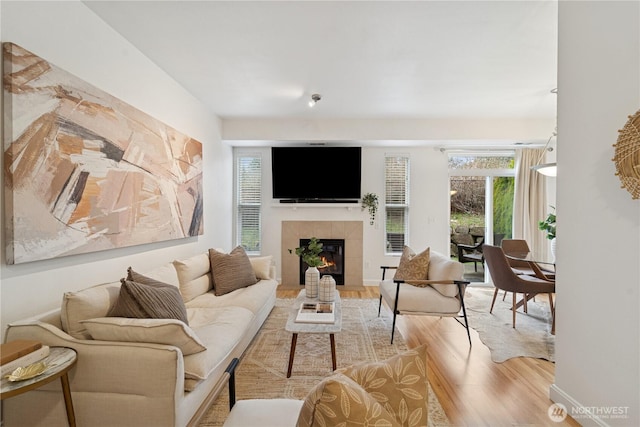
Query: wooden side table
x=61 y=360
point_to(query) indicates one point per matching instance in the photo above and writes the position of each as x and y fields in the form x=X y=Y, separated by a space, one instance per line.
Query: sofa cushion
x=231 y=271
x=160 y=331
x=262 y=266
x=149 y=301
x=86 y=304
x=399 y=384
x=194 y=276
x=412 y=266
x=338 y=400
x=220 y=330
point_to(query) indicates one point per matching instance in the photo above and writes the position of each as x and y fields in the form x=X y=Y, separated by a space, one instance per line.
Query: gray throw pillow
x=149 y=301
x=231 y=271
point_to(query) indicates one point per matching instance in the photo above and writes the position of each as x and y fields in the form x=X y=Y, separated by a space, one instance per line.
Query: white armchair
x=429 y=284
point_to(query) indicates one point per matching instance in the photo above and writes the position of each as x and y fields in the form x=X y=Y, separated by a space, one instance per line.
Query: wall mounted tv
x=316 y=174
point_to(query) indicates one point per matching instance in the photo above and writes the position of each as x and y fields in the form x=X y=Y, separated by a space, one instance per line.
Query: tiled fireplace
x=349 y=231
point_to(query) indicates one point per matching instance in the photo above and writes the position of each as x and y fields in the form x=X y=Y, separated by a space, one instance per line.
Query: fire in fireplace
x=332 y=256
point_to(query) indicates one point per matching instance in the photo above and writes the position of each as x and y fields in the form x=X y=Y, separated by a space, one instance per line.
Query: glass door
x=481 y=208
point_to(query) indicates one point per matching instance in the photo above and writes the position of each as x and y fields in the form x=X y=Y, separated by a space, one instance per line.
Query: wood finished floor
x=472 y=389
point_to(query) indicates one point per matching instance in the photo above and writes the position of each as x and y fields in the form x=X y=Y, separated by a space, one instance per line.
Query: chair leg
x=464 y=313
x=513 y=309
x=495 y=294
x=393 y=327
x=553 y=314
x=379 y=305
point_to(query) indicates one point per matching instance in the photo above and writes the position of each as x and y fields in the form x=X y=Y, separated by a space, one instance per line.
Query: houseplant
x=310 y=254
x=548 y=225
x=370 y=202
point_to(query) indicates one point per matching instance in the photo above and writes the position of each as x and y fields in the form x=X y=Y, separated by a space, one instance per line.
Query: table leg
x=294 y=340
x=66 y=391
x=333 y=350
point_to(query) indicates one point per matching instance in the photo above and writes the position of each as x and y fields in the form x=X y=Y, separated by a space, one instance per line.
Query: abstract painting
x=85 y=172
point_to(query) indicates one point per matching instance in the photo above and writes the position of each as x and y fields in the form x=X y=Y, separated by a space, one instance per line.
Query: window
x=249 y=195
x=396 y=202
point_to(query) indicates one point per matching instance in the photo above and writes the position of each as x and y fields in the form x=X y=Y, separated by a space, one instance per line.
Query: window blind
x=249 y=197
x=396 y=202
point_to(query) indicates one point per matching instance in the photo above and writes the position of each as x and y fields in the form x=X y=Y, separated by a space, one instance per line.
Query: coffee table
x=313 y=328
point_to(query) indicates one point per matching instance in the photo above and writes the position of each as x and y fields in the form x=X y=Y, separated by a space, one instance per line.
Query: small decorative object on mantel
x=310 y=255
x=327 y=288
x=370 y=202
x=627 y=155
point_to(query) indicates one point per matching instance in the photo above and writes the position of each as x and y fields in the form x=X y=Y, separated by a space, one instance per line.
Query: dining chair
x=517 y=245
x=504 y=278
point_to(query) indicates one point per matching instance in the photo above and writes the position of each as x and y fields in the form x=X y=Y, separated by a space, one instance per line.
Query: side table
x=60 y=361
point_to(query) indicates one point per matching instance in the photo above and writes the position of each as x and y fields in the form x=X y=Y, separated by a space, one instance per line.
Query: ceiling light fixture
x=314 y=99
x=547 y=169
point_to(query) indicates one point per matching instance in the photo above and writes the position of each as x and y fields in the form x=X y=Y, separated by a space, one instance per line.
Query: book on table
x=316 y=312
x=21 y=353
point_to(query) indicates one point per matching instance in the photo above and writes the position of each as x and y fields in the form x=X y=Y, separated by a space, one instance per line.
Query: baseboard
x=575 y=409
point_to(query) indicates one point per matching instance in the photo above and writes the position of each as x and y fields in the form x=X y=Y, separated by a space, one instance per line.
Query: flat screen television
x=316 y=174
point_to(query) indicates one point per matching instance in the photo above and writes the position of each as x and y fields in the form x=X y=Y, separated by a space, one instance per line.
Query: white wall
x=598 y=280
x=428 y=214
x=71 y=36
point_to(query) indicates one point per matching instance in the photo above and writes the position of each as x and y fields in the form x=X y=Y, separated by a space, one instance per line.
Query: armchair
x=435 y=290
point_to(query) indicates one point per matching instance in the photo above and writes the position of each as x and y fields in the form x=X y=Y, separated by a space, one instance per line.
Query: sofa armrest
x=141 y=369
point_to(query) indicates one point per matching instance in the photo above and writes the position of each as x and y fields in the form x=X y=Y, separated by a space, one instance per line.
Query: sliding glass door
x=481 y=207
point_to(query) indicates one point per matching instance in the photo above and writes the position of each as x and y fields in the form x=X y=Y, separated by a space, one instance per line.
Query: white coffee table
x=313 y=328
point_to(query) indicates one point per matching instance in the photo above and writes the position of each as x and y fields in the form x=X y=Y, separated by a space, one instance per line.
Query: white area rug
x=532 y=336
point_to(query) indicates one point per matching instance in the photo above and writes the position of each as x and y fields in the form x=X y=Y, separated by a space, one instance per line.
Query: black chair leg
x=379 y=305
x=464 y=312
x=393 y=327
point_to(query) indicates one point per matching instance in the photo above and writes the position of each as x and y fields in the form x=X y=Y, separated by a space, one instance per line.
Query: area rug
x=532 y=336
x=263 y=369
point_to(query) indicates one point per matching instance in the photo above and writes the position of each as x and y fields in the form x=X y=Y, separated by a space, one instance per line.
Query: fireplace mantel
x=350 y=231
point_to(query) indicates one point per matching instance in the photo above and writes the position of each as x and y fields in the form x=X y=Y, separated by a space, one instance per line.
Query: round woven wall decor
x=627 y=157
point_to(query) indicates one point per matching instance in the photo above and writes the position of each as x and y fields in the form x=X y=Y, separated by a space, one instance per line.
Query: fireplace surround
x=349 y=231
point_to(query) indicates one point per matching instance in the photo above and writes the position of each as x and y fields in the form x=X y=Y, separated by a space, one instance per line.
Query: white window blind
x=249 y=196
x=396 y=202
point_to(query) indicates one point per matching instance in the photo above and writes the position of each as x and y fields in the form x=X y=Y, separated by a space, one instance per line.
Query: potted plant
x=370 y=202
x=548 y=225
x=310 y=254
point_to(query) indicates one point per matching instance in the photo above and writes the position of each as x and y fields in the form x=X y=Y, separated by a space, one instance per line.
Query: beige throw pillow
x=231 y=271
x=412 y=266
x=339 y=401
x=262 y=266
x=160 y=331
x=399 y=384
x=152 y=301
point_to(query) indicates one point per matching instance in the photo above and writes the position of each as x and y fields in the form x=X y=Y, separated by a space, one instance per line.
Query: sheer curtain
x=529 y=201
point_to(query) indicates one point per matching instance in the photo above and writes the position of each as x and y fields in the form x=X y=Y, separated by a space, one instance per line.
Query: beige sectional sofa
x=128 y=378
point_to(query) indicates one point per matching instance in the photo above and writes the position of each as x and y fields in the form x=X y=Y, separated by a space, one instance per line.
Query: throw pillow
x=339 y=401
x=194 y=276
x=412 y=266
x=262 y=266
x=157 y=301
x=231 y=271
x=160 y=331
x=399 y=384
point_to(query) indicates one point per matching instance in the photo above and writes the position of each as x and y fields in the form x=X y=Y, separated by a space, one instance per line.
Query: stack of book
x=20 y=353
x=311 y=312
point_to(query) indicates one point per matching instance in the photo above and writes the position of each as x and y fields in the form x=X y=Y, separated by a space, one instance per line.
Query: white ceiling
x=379 y=59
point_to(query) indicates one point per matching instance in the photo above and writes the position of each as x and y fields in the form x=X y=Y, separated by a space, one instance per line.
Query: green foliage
x=370 y=202
x=310 y=253
x=503 y=188
x=549 y=224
